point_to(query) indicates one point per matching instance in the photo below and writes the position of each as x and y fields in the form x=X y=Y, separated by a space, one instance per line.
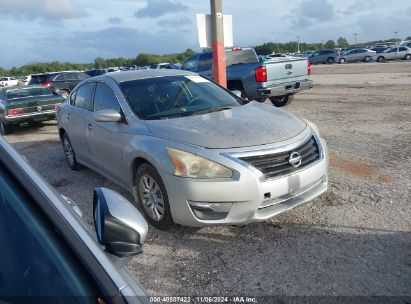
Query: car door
x=78 y=112
x=36 y=262
x=392 y=53
x=106 y=139
x=314 y=57
x=402 y=51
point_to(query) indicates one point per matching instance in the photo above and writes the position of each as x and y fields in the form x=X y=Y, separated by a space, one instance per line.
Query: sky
x=81 y=30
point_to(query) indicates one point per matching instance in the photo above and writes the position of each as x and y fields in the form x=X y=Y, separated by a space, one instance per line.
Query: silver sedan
x=394 y=52
x=190 y=151
x=359 y=54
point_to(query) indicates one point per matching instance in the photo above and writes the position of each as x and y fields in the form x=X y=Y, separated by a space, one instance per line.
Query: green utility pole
x=217 y=34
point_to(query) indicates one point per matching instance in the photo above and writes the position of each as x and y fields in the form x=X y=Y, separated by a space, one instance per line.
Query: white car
x=25 y=80
x=8 y=81
x=394 y=52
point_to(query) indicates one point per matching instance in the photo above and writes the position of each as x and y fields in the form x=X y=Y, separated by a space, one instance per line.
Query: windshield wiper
x=211 y=110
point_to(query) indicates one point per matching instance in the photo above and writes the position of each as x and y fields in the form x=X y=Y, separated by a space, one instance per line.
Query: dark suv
x=63 y=82
x=324 y=56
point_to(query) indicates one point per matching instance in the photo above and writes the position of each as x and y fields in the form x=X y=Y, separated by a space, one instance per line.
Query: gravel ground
x=354 y=240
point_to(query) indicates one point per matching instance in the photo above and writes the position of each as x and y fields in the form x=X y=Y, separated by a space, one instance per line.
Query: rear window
x=32 y=92
x=241 y=56
x=38 y=79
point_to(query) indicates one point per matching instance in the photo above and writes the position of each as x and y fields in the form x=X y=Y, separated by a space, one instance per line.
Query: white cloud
x=41 y=9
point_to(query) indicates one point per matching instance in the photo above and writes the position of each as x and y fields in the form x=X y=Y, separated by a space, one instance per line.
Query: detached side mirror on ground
x=119 y=226
x=107 y=116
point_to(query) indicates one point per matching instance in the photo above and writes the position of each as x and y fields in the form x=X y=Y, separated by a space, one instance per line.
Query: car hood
x=252 y=124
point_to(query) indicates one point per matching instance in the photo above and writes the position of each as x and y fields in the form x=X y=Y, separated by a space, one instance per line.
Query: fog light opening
x=210 y=210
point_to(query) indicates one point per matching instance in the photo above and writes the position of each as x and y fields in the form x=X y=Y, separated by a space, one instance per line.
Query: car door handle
x=68 y=116
x=90 y=126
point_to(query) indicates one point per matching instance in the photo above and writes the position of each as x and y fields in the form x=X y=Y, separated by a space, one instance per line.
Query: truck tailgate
x=280 y=70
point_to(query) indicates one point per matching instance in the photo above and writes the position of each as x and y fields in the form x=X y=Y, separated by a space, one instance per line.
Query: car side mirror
x=236 y=93
x=120 y=227
x=107 y=116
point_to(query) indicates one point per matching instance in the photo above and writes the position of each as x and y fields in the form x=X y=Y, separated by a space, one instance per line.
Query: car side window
x=403 y=49
x=394 y=50
x=105 y=99
x=73 y=97
x=60 y=77
x=81 y=76
x=191 y=64
x=84 y=97
x=35 y=261
x=205 y=62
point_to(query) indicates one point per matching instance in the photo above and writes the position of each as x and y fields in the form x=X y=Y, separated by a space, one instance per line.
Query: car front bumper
x=285 y=88
x=248 y=198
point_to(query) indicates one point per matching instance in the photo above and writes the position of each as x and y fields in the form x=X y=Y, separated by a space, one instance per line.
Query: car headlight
x=312 y=126
x=189 y=165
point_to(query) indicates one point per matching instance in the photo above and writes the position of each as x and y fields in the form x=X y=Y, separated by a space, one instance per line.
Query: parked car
x=379 y=49
x=190 y=151
x=162 y=65
x=406 y=43
x=95 y=72
x=25 y=105
x=277 y=79
x=8 y=81
x=324 y=56
x=358 y=54
x=62 y=82
x=394 y=52
x=24 y=80
x=276 y=56
x=49 y=255
x=305 y=54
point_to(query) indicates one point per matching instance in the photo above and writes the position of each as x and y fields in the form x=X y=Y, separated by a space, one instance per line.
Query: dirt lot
x=354 y=240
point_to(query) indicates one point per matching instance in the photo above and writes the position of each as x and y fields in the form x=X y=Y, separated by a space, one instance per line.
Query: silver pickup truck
x=278 y=79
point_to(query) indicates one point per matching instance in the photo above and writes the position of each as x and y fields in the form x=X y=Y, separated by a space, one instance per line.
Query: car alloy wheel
x=69 y=153
x=408 y=57
x=342 y=60
x=151 y=197
x=367 y=59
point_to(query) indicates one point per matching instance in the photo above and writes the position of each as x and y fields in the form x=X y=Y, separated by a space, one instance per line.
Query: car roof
x=142 y=74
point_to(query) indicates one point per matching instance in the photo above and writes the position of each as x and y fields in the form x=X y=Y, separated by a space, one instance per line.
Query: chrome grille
x=277 y=164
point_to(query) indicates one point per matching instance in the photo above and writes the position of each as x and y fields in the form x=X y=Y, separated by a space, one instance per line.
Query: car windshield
x=31 y=92
x=176 y=96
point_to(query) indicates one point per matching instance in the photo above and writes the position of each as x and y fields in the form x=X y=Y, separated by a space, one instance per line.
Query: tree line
x=143 y=59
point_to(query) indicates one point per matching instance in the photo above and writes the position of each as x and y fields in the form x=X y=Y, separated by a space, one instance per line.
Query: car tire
x=64 y=93
x=342 y=60
x=152 y=197
x=380 y=59
x=5 y=128
x=408 y=57
x=69 y=153
x=281 y=101
x=330 y=60
x=367 y=59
